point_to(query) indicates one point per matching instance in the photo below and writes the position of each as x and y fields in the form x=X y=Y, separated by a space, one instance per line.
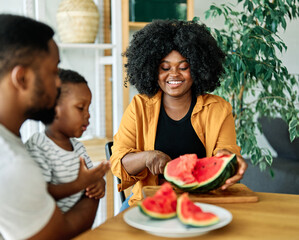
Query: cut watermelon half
x=189 y=173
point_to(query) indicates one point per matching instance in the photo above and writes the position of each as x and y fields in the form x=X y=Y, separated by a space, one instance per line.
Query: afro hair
x=157 y=39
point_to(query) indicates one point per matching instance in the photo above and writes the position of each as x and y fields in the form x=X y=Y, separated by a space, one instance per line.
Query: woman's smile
x=175 y=82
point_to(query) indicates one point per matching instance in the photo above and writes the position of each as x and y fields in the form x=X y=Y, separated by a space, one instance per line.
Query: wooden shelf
x=137 y=25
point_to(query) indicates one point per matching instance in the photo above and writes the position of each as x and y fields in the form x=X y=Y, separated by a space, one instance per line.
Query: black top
x=177 y=138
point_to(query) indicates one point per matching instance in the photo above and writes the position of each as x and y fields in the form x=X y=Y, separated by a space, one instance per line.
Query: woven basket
x=78 y=21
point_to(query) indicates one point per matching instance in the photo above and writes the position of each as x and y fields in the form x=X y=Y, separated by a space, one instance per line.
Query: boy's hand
x=88 y=177
x=96 y=190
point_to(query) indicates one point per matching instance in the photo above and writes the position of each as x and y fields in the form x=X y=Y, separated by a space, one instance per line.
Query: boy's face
x=72 y=111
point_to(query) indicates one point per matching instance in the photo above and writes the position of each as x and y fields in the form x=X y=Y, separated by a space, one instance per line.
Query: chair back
x=108 y=152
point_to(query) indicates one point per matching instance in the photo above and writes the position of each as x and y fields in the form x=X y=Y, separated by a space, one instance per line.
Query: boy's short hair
x=70 y=76
x=22 y=39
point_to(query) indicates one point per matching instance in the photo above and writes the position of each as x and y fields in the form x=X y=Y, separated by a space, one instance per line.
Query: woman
x=172 y=64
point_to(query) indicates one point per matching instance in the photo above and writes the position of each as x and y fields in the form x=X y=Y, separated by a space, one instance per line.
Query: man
x=29 y=85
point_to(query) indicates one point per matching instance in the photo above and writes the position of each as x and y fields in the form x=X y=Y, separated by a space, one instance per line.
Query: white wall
x=12 y=6
x=291 y=39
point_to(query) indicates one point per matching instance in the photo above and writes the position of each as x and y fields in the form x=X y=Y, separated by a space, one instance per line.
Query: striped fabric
x=58 y=165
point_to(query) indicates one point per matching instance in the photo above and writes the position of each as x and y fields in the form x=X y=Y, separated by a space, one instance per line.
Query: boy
x=56 y=150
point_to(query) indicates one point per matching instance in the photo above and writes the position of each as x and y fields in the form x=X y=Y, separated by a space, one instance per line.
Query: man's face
x=46 y=87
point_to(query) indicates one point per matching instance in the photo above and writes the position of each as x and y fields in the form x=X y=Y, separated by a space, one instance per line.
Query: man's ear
x=19 y=77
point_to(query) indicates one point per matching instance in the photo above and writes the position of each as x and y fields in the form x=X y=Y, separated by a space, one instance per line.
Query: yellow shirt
x=211 y=119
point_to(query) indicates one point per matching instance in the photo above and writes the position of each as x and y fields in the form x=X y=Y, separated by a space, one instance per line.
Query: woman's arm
x=154 y=160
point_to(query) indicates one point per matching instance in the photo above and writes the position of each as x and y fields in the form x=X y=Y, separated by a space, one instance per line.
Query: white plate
x=173 y=227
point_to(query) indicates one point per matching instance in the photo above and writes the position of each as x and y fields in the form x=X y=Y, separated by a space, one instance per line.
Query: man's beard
x=43 y=114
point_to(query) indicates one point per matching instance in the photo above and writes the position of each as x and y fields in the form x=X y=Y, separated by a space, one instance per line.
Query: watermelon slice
x=162 y=205
x=200 y=175
x=191 y=214
x=179 y=171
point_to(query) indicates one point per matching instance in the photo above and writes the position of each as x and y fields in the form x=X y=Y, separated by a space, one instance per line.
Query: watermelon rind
x=155 y=215
x=182 y=185
x=190 y=221
x=228 y=169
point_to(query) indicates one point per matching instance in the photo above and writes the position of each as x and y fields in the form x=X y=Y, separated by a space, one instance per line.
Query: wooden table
x=274 y=216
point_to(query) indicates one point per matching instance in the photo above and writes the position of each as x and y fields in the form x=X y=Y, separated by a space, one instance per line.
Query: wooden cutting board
x=238 y=193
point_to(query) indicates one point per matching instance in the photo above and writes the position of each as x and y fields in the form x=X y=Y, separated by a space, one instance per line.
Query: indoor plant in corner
x=256 y=83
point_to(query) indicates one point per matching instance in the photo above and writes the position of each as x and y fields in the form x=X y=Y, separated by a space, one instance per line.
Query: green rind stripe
x=185 y=187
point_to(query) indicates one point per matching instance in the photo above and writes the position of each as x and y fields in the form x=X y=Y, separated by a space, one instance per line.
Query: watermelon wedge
x=162 y=205
x=189 y=173
x=192 y=215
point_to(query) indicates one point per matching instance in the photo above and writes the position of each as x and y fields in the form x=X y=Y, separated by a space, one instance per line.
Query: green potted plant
x=256 y=82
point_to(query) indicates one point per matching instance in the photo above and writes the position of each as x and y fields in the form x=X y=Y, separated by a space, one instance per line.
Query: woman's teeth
x=174 y=82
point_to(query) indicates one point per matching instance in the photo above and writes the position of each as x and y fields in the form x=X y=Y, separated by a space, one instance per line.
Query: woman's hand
x=242 y=166
x=156 y=161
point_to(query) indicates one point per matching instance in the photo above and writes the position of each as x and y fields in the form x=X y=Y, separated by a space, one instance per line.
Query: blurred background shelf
x=87 y=45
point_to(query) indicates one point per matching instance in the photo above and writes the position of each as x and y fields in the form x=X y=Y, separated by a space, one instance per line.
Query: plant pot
x=78 y=21
x=147 y=10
